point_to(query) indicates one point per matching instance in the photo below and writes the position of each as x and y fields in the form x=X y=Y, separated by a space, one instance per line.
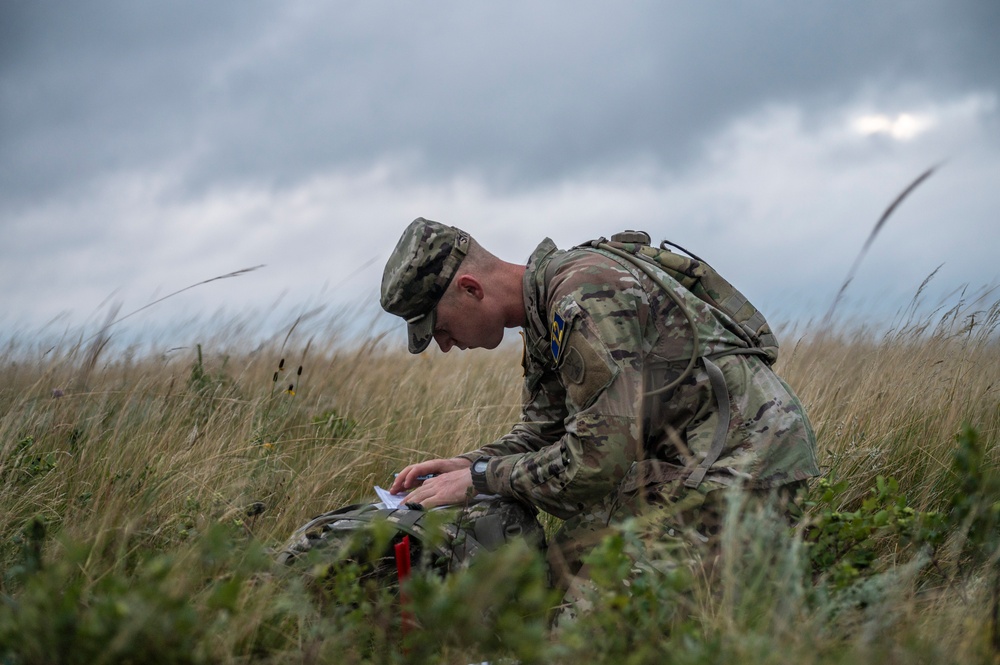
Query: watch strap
x=479 y=478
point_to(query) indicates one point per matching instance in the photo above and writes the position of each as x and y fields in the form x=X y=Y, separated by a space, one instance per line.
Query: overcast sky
x=147 y=146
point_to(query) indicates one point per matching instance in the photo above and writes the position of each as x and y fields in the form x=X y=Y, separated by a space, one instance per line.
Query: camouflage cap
x=417 y=274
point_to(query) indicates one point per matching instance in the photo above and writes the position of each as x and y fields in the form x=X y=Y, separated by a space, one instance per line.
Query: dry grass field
x=140 y=493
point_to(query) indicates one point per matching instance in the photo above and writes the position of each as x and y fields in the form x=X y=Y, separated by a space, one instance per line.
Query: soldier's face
x=467 y=323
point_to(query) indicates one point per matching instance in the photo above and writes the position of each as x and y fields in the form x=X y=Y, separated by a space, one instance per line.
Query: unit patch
x=556 y=332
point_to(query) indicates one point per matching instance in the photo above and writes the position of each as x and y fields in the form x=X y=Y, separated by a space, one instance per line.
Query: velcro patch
x=573 y=368
x=586 y=370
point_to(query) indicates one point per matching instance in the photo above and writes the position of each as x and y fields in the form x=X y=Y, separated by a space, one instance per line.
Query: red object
x=403 y=572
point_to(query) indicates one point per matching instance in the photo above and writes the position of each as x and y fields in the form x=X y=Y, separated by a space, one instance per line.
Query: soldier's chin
x=493 y=343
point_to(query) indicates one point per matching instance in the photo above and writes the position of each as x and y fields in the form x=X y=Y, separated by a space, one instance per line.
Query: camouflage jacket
x=599 y=335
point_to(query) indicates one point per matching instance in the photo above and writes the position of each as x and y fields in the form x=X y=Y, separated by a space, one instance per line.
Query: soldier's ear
x=470 y=285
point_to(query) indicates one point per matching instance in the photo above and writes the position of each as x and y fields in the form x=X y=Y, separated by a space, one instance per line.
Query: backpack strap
x=761 y=353
x=718 y=382
x=326 y=518
x=406 y=521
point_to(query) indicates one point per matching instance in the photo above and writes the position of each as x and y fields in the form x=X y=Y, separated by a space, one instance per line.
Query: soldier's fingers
x=406 y=478
x=400 y=482
x=418 y=495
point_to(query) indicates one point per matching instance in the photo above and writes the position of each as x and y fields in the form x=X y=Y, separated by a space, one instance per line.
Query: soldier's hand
x=410 y=477
x=443 y=489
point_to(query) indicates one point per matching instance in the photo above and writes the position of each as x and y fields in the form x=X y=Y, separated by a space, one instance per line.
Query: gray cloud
x=520 y=93
x=146 y=147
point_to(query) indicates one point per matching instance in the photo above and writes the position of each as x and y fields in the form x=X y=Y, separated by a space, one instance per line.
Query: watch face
x=480 y=466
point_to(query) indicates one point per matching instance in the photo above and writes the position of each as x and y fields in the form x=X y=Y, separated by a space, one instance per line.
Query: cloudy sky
x=146 y=146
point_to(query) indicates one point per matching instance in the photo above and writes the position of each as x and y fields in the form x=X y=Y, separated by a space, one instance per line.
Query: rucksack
x=441 y=539
x=700 y=279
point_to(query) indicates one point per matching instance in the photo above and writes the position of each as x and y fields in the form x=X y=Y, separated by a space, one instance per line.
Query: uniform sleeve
x=598 y=370
x=543 y=416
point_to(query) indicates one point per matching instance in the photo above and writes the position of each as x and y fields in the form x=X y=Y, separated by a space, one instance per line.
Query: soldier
x=597 y=442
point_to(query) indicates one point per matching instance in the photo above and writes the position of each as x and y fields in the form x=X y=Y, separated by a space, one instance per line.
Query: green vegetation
x=141 y=496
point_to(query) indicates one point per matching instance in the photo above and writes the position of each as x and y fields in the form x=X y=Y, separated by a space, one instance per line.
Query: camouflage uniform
x=600 y=334
x=592 y=447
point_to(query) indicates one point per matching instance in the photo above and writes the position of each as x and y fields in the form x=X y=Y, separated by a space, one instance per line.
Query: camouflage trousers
x=681 y=524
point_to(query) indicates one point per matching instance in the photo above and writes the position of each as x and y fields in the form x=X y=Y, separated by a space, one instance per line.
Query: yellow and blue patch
x=557 y=331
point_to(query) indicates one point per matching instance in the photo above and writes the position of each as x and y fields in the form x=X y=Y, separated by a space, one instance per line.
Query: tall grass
x=891 y=402
x=160 y=478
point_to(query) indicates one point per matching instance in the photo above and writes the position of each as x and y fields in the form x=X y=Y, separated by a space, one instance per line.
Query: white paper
x=390 y=500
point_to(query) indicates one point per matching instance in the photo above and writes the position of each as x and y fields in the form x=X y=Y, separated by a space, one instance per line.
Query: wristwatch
x=479 y=475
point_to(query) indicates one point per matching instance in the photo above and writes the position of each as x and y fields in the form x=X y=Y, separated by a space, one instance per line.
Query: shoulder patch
x=557 y=332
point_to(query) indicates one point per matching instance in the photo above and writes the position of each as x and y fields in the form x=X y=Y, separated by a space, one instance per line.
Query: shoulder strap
x=718 y=382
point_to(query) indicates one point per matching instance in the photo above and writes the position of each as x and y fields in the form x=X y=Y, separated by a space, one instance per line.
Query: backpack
x=706 y=284
x=443 y=539
x=701 y=279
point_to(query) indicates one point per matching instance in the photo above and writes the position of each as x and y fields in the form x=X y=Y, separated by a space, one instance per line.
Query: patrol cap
x=417 y=274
